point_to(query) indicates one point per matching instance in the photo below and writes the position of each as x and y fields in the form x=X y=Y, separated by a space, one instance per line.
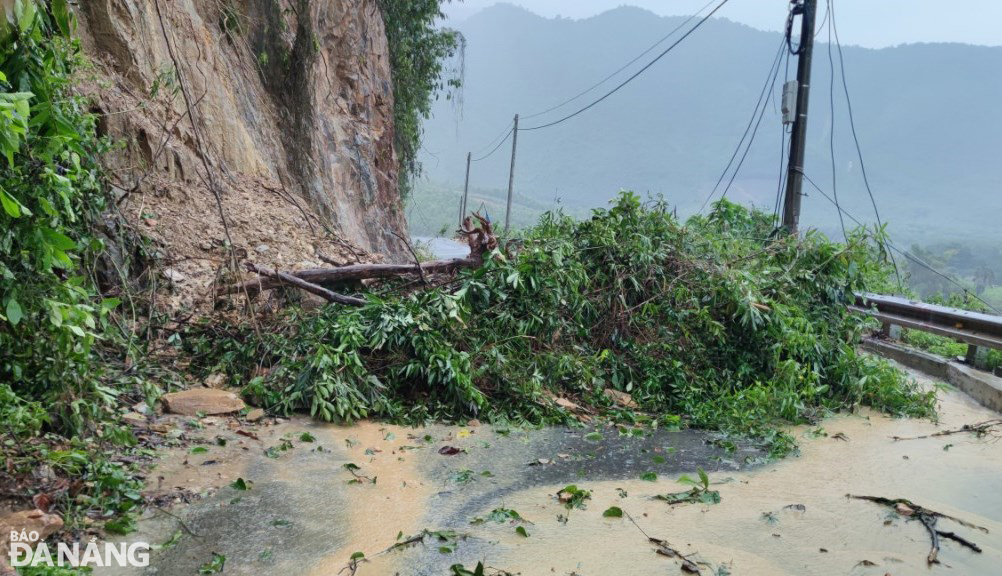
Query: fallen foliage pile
x=712 y=323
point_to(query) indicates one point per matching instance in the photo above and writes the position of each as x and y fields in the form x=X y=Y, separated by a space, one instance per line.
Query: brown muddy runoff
x=301 y=515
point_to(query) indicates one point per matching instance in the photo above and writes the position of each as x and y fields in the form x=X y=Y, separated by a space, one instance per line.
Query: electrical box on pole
x=790 y=101
x=807 y=10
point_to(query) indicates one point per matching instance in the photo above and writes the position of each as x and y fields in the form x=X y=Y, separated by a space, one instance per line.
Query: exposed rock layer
x=293 y=111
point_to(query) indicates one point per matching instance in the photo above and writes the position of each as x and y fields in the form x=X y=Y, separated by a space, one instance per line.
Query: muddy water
x=756 y=529
x=833 y=535
x=304 y=516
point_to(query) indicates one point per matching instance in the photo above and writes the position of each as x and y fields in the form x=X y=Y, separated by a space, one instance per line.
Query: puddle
x=302 y=516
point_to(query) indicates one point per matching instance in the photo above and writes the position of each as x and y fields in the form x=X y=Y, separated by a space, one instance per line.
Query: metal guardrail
x=973 y=328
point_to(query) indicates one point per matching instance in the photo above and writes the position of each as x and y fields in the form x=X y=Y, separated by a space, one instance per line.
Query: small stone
x=473 y=423
x=134 y=418
x=141 y=407
x=620 y=398
x=173 y=275
x=255 y=415
x=904 y=509
x=217 y=380
x=262 y=248
x=202 y=400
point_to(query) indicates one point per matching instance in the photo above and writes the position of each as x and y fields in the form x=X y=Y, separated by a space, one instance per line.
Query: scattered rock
x=202 y=400
x=473 y=423
x=29 y=521
x=904 y=509
x=255 y=415
x=173 y=275
x=217 y=380
x=262 y=248
x=620 y=398
x=134 y=418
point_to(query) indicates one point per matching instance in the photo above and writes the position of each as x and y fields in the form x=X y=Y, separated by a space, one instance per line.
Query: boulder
x=202 y=400
x=28 y=521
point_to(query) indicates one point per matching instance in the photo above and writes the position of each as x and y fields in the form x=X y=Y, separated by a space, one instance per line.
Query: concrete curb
x=985 y=388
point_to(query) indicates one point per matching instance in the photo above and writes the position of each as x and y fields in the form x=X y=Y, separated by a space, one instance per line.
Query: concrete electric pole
x=807 y=9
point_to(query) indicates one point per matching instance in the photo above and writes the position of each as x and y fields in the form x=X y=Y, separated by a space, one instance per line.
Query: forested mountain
x=927 y=116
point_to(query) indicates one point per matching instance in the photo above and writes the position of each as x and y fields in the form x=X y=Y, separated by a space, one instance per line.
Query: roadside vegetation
x=62 y=367
x=713 y=323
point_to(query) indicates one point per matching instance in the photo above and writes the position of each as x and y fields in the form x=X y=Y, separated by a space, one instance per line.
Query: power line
x=495 y=149
x=502 y=134
x=624 y=66
x=631 y=78
x=904 y=253
x=852 y=125
x=831 y=124
x=758 y=113
x=784 y=153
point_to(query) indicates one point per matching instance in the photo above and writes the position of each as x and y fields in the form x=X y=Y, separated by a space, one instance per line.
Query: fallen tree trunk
x=481 y=241
x=321 y=276
x=284 y=278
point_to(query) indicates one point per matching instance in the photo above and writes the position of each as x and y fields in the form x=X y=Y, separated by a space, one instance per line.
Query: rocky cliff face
x=292 y=105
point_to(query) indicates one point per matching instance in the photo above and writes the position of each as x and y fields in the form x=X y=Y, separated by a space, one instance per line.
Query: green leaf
x=199 y=450
x=520 y=530
x=25 y=12
x=357 y=556
x=58 y=239
x=613 y=512
x=240 y=484
x=703 y=478
x=649 y=477
x=14 y=312
x=63 y=17
x=307 y=437
x=11 y=206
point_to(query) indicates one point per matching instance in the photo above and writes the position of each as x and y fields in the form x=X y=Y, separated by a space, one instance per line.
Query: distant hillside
x=928 y=118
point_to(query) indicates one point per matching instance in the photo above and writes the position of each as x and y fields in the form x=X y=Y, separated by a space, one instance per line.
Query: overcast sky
x=871 y=23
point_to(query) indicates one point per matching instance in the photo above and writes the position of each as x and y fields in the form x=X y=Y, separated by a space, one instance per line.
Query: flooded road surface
x=368 y=487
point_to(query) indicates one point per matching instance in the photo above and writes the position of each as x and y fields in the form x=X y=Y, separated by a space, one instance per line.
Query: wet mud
x=306 y=512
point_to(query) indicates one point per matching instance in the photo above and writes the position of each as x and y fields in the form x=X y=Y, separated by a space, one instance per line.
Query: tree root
x=928 y=518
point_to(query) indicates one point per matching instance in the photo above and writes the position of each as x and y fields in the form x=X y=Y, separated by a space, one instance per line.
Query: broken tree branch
x=928 y=518
x=283 y=278
x=417 y=261
x=979 y=429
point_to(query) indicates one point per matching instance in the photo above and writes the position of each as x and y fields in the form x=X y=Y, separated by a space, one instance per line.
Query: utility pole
x=466 y=191
x=808 y=10
x=511 y=174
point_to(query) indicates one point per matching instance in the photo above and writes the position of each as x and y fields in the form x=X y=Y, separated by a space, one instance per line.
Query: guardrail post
x=972 y=354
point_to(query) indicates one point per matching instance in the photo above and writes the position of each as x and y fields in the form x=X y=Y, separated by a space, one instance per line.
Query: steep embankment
x=293 y=130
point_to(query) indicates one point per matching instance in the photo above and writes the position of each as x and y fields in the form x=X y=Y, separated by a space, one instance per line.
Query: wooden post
x=466 y=192
x=511 y=175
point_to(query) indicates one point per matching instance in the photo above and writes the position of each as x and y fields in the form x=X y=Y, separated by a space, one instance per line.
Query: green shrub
x=51 y=194
x=712 y=324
